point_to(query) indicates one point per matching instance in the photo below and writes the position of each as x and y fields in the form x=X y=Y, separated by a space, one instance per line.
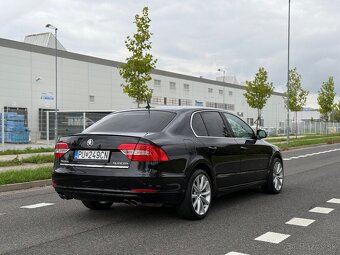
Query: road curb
x=25 y=185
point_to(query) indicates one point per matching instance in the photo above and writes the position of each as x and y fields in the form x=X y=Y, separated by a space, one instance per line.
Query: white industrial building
x=85 y=83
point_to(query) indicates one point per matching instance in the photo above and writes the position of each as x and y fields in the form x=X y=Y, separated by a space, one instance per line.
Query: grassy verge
x=307 y=141
x=38 y=159
x=11 y=177
x=25 y=151
x=292 y=137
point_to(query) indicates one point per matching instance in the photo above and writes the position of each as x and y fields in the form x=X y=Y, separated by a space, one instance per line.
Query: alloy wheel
x=278 y=176
x=201 y=194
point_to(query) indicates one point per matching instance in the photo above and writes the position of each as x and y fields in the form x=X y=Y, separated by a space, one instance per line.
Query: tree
x=335 y=115
x=326 y=98
x=296 y=98
x=258 y=92
x=136 y=70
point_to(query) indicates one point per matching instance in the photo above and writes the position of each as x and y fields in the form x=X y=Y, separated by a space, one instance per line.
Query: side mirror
x=261 y=133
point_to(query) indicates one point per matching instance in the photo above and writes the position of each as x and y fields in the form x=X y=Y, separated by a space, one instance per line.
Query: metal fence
x=14 y=132
x=306 y=127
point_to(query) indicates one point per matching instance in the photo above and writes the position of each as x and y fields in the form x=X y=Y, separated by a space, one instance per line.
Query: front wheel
x=197 y=198
x=97 y=205
x=275 y=179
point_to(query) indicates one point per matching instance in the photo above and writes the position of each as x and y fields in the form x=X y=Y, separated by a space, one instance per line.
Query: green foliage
x=335 y=115
x=258 y=92
x=326 y=97
x=26 y=150
x=136 y=71
x=296 y=98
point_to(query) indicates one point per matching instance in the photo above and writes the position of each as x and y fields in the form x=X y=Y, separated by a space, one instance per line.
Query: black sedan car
x=170 y=155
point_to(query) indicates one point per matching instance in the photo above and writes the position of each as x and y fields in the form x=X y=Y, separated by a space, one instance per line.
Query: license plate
x=94 y=155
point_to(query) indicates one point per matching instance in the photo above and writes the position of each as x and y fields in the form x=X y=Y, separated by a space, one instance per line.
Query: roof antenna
x=148 y=105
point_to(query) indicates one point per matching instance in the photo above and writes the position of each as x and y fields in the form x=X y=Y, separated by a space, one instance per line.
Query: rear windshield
x=134 y=121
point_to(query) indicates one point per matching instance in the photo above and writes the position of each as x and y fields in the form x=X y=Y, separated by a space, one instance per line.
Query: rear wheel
x=197 y=198
x=97 y=205
x=275 y=179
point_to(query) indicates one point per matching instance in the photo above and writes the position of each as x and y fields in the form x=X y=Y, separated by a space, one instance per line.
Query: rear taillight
x=60 y=150
x=143 y=152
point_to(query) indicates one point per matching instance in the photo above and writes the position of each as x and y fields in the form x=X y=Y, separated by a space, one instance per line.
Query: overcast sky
x=197 y=37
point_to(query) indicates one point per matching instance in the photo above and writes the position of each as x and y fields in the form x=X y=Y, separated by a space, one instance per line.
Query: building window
x=172 y=101
x=186 y=102
x=91 y=99
x=186 y=87
x=157 y=100
x=172 y=85
x=210 y=90
x=220 y=92
x=250 y=121
x=157 y=83
x=230 y=93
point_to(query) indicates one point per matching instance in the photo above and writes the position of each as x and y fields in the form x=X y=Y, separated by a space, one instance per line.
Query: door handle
x=212 y=149
x=243 y=148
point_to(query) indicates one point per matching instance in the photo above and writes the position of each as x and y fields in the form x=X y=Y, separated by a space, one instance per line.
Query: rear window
x=134 y=121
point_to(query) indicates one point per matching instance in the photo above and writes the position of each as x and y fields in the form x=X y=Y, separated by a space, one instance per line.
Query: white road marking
x=36 y=205
x=272 y=237
x=334 y=201
x=323 y=210
x=310 y=154
x=235 y=253
x=2 y=214
x=300 y=222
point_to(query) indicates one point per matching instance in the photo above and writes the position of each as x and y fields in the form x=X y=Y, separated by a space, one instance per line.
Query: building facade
x=85 y=83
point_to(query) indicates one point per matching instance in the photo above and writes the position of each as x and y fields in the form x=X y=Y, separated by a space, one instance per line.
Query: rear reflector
x=143 y=152
x=60 y=150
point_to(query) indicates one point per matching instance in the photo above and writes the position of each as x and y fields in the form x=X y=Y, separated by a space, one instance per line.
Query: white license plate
x=95 y=155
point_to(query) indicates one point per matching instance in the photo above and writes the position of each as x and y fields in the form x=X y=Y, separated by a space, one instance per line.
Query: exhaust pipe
x=63 y=196
x=131 y=202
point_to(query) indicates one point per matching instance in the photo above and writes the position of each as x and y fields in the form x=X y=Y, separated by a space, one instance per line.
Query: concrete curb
x=25 y=185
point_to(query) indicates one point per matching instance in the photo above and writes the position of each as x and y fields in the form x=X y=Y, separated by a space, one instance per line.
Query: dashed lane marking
x=334 y=201
x=235 y=253
x=272 y=237
x=2 y=214
x=36 y=205
x=300 y=222
x=310 y=154
x=323 y=210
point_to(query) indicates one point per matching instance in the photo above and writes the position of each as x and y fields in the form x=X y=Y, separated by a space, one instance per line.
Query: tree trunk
x=258 y=116
x=296 y=125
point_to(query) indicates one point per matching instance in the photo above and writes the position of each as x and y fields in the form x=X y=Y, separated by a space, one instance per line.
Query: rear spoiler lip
x=131 y=134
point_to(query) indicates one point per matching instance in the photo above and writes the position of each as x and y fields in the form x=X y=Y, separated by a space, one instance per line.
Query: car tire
x=275 y=180
x=197 y=199
x=97 y=205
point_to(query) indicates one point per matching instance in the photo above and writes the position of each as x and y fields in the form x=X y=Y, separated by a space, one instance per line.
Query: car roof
x=175 y=109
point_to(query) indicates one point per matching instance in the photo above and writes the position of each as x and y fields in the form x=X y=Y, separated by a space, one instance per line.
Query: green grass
x=292 y=137
x=36 y=159
x=25 y=151
x=308 y=141
x=11 y=177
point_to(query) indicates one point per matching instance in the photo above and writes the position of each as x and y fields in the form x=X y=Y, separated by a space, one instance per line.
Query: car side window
x=214 y=123
x=198 y=125
x=239 y=127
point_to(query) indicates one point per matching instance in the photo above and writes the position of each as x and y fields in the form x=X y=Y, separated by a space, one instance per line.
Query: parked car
x=170 y=155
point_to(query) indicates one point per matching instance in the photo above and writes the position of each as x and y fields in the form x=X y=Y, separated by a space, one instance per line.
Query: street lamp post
x=222 y=70
x=288 y=72
x=56 y=82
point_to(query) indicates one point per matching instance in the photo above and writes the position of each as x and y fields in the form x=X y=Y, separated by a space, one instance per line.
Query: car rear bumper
x=118 y=195
x=106 y=185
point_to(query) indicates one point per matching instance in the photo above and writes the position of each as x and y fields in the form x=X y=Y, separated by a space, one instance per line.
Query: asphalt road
x=233 y=223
